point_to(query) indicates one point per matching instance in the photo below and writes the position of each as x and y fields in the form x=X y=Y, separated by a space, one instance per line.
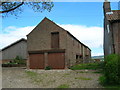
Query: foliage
x=19 y=60
x=111 y=70
x=102 y=80
x=93 y=66
x=111 y=74
x=63 y=86
x=48 y=67
x=14 y=8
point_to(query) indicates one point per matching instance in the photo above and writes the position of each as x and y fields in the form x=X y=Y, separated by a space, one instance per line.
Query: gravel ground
x=23 y=78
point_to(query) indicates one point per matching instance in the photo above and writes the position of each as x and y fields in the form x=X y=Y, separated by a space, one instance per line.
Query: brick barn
x=50 y=45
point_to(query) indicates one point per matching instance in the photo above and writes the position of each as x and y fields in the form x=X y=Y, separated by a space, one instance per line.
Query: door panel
x=56 y=60
x=36 y=61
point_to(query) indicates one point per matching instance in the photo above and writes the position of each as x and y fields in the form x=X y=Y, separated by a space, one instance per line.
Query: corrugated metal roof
x=113 y=16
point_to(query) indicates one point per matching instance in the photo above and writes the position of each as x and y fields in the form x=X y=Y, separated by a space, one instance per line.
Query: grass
x=66 y=74
x=31 y=74
x=63 y=86
x=83 y=78
x=82 y=72
x=113 y=86
x=36 y=78
x=97 y=72
x=93 y=66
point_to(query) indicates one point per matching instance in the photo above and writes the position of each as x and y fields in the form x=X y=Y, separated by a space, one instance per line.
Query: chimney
x=106 y=7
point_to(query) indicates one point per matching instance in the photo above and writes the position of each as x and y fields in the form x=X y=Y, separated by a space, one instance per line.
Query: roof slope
x=46 y=19
x=22 y=39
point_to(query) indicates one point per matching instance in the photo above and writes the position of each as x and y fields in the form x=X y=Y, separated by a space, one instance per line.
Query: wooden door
x=56 y=60
x=36 y=61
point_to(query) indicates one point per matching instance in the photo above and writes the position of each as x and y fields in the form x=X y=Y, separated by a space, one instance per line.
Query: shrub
x=19 y=60
x=48 y=67
x=102 y=80
x=111 y=69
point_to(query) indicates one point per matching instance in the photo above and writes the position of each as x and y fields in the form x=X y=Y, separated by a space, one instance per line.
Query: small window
x=108 y=29
x=77 y=56
x=81 y=56
x=55 y=40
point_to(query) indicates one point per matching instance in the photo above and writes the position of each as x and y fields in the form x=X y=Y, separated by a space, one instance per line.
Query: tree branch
x=12 y=8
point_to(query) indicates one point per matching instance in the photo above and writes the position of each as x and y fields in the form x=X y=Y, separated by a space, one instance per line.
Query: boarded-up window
x=55 y=40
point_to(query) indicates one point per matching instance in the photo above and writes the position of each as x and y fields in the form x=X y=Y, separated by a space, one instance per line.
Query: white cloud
x=12 y=34
x=90 y=36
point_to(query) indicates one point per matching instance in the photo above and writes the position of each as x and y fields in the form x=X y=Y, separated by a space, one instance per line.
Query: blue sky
x=83 y=19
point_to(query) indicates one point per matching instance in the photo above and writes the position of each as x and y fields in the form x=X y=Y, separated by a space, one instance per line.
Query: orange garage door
x=56 y=60
x=36 y=61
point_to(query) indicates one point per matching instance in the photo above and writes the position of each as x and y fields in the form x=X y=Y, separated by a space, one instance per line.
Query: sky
x=82 y=19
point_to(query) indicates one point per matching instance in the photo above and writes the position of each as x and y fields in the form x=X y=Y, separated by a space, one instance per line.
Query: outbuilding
x=10 y=52
x=50 y=45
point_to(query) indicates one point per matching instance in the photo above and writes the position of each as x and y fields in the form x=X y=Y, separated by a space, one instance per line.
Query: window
x=77 y=56
x=81 y=56
x=55 y=40
x=108 y=29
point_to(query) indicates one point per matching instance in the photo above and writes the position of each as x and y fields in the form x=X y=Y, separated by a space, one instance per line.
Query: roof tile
x=114 y=16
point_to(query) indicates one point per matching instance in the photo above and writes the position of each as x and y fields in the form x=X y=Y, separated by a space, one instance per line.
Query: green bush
x=102 y=80
x=48 y=67
x=19 y=60
x=111 y=69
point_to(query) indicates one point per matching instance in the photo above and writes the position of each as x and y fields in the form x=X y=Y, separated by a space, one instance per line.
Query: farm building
x=18 y=48
x=50 y=45
x=111 y=30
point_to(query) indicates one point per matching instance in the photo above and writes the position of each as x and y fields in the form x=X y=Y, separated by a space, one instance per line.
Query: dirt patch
x=22 y=78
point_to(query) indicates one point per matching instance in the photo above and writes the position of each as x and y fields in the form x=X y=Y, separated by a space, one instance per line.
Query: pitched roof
x=114 y=15
x=22 y=39
x=62 y=29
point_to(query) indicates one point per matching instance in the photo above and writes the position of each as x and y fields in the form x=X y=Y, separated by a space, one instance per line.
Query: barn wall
x=40 y=38
x=108 y=49
x=19 y=49
x=73 y=49
x=116 y=36
x=119 y=39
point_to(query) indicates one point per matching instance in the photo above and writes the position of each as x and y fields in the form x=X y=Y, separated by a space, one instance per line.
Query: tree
x=14 y=8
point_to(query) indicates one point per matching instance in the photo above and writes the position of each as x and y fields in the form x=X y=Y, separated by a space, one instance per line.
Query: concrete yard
x=15 y=77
